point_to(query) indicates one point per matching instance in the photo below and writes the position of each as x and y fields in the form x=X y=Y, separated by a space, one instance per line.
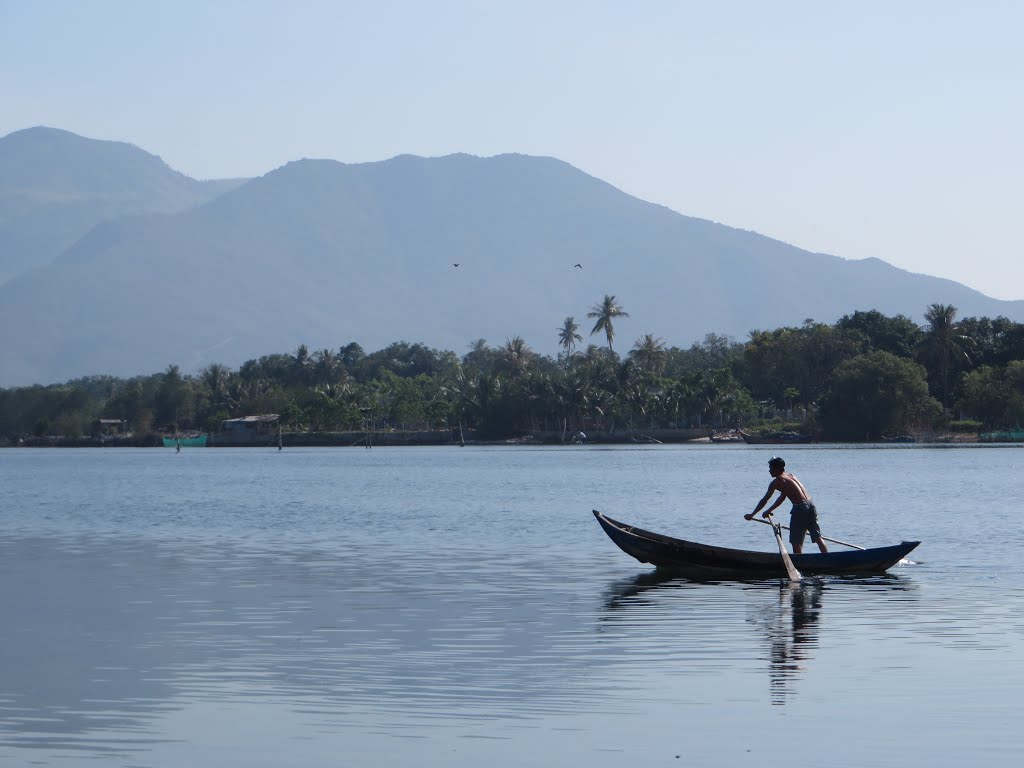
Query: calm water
x=459 y=607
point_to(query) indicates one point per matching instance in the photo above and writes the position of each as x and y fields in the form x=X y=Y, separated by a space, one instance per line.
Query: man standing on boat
x=803 y=518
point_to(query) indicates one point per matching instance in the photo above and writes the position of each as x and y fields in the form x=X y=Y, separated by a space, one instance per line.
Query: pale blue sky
x=888 y=129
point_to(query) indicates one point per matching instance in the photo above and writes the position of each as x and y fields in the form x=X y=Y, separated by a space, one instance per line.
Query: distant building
x=109 y=427
x=246 y=426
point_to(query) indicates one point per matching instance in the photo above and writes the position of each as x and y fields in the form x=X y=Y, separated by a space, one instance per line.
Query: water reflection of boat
x=790 y=624
x=705 y=561
x=624 y=593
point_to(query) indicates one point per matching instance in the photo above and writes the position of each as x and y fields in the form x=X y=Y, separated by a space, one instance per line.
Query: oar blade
x=791 y=571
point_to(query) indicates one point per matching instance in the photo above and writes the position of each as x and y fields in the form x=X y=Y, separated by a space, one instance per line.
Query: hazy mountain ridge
x=55 y=186
x=324 y=253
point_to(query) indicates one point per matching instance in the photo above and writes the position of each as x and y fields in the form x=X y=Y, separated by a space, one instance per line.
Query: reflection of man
x=792 y=641
x=806 y=603
x=803 y=518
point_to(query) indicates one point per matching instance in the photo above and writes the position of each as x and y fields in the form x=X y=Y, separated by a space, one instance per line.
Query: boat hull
x=704 y=561
x=193 y=441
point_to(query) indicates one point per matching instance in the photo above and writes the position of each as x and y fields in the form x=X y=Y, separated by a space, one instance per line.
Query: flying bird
x=580 y=266
x=455 y=265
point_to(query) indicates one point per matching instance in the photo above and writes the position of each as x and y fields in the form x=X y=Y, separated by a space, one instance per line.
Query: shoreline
x=446 y=438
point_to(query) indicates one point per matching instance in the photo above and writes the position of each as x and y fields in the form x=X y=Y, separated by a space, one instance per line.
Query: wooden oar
x=826 y=538
x=793 y=573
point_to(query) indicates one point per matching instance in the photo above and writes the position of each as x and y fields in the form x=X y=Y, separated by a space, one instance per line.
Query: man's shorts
x=803 y=519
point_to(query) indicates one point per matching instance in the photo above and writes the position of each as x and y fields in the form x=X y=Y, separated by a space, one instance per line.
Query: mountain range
x=112 y=262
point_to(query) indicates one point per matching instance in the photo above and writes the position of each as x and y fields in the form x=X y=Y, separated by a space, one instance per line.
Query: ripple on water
x=448 y=617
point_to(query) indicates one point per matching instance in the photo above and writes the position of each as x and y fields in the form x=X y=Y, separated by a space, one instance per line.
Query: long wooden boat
x=704 y=561
x=775 y=438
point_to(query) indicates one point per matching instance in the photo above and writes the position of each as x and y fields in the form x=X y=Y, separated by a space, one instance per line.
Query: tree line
x=864 y=377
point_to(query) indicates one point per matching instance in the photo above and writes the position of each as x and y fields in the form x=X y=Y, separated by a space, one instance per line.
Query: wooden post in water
x=368 y=425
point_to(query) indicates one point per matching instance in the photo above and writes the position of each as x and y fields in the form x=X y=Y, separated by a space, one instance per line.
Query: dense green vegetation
x=865 y=377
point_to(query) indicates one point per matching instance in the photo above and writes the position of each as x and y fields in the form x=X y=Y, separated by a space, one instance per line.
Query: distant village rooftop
x=250 y=422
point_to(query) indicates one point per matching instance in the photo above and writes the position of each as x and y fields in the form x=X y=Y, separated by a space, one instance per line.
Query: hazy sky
x=862 y=128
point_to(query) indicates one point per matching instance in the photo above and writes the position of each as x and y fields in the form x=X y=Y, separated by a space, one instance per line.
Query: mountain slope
x=324 y=253
x=56 y=186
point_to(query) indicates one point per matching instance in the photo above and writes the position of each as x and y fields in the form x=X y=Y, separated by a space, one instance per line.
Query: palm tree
x=172 y=397
x=326 y=367
x=568 y=335
x=301 y=364
x=516 y=354
x=605 y=313
x=650 y=354
x=945 y=340
x=478 y=356
x=215 y=378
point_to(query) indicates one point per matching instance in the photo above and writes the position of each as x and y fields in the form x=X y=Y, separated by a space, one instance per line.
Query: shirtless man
x=803 y=518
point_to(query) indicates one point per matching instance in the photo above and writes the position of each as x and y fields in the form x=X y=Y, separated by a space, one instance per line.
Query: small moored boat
x=774 y=438
x=704 y=561
x=185 y=441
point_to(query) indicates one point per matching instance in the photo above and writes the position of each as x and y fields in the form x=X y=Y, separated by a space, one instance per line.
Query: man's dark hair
x=776 y=461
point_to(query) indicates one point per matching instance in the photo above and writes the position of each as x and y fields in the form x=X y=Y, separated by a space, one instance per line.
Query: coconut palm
x=327 y=367
x=215 y=378
x=172 y=397
x=568 y=335
x=516 y=355
x=301 y=365
x=605 y=313
x=479 y=356
x=943 y=338
x=650 y=354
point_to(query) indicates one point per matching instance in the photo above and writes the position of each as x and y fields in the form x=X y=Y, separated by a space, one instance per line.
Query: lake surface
x=461 y=607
